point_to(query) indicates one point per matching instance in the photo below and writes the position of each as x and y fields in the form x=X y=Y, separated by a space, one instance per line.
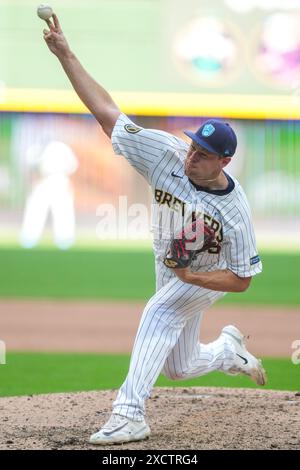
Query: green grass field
x=121 y=274
x=32 y=373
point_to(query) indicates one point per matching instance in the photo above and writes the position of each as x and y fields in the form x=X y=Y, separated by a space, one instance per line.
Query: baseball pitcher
x=213 y=250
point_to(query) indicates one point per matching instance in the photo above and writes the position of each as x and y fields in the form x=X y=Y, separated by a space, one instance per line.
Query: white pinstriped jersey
x=159 y=157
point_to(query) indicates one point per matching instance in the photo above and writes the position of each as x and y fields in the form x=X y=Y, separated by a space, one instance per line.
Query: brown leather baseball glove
x=197 y=234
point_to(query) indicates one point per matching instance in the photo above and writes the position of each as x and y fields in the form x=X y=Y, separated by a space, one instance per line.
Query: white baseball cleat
x=244 y=362
x=120 y=429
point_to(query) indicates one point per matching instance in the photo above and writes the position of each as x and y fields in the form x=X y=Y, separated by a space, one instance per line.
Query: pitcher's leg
x=162 y=322
x=189 y=358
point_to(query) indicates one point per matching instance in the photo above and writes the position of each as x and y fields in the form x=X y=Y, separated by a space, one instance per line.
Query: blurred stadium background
x=169 y=65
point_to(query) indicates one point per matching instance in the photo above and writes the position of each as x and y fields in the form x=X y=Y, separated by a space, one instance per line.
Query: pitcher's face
x=200 y=164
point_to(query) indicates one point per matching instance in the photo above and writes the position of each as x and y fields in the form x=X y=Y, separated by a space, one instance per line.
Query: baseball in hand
x=44 y=11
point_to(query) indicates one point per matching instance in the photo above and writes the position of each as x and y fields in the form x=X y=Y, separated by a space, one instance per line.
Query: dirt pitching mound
x=180 y=418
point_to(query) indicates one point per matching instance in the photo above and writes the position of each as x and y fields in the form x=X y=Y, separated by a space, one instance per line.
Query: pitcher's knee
x=173 y=374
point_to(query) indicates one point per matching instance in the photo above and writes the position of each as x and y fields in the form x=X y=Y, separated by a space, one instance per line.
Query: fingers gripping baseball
x=54 y=37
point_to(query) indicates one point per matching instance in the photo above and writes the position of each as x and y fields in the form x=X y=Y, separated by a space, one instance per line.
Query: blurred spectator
x=51 y=193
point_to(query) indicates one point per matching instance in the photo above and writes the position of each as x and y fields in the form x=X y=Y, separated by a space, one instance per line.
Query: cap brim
x=200 y=141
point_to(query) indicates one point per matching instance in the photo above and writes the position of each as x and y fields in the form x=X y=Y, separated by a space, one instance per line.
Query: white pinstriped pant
x=167 y=341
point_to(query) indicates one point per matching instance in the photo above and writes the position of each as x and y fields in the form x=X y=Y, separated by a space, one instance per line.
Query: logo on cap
x=208 y=130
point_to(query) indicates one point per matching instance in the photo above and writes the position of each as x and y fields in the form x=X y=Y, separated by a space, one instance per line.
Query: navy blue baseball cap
x=215 y=136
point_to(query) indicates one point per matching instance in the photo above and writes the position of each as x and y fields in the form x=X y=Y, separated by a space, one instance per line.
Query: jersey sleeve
x=241 y=252
x=143 y=148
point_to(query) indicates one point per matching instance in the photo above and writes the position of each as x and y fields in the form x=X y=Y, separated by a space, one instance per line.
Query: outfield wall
x=266 y=164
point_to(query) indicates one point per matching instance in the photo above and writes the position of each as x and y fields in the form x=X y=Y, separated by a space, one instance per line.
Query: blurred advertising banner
x=240 y=47
x=60 y=171
x=231 y=58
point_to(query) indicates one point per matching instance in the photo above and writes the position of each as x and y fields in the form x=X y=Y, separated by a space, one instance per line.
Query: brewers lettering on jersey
x=181 y=176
